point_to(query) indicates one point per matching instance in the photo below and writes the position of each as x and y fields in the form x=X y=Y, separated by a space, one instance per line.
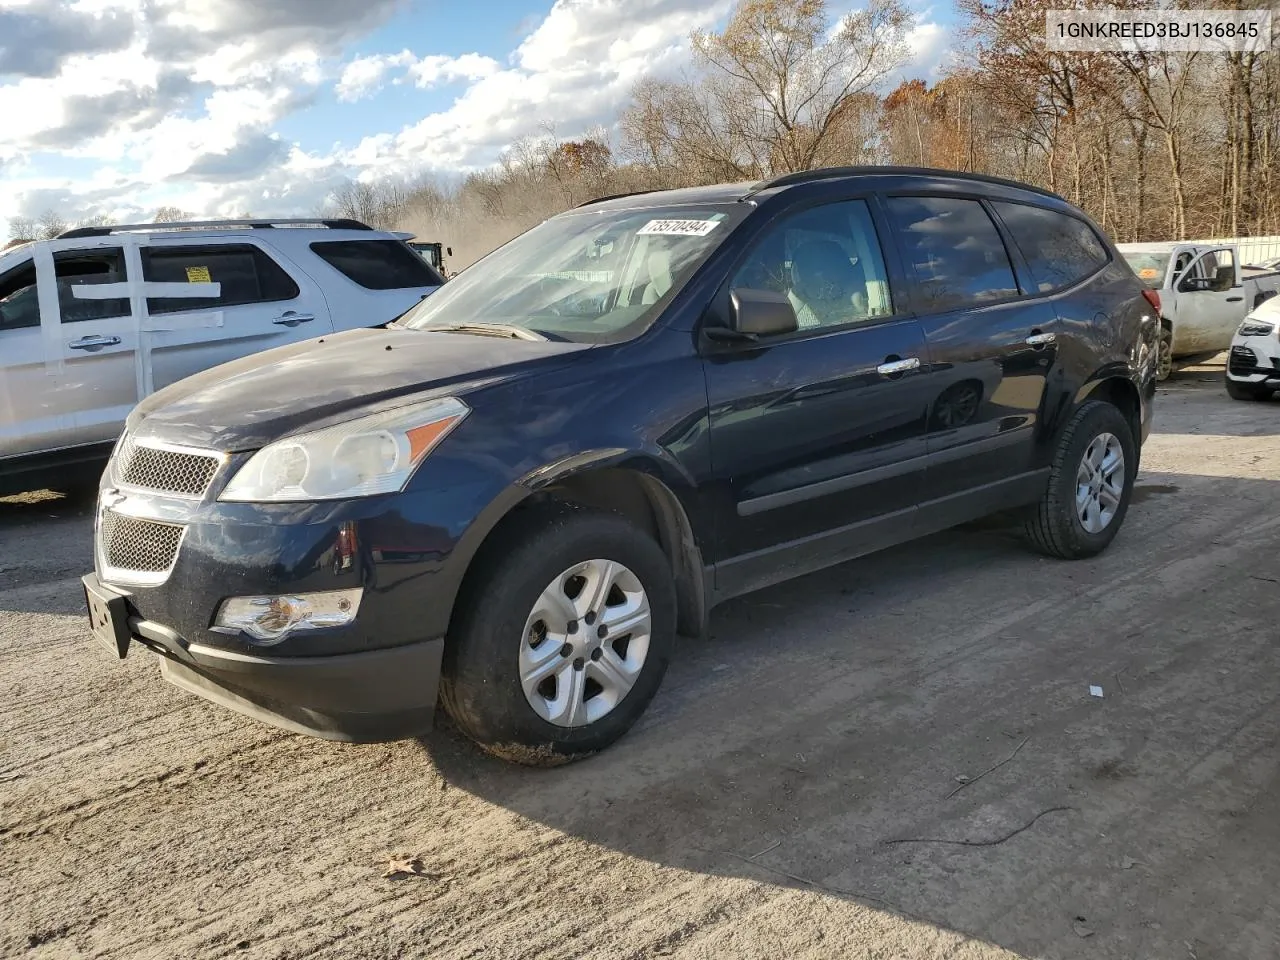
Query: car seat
x=827 y=287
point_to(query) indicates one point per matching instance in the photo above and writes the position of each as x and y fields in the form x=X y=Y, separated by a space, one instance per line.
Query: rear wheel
x=1248 y=391
x=1090 y=483
x=563 y=640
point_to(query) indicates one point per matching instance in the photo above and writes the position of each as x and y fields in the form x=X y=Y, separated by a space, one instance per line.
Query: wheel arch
x=1117 y=388
x=640 y=488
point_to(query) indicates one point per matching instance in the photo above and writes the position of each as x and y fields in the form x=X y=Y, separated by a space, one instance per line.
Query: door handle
x=291 y=318
x=1234 y=299
x=94 y=342
x=1041 y=339
x=892 y=368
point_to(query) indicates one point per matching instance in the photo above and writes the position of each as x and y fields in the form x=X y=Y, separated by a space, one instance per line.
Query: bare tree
x=170 y=214
x=23 y=229
x=780 y=89
x=50 y=224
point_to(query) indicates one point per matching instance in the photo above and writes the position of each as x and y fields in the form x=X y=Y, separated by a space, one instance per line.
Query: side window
x=828 y=262
x=82 y=268
x=1214 y=271
x=246 y=273
x=958 y=256
x=19 y=301
x=377 y=264
x=1059 y=249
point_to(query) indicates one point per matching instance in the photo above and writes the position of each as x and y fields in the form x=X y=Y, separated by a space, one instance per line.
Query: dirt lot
x=795 y=790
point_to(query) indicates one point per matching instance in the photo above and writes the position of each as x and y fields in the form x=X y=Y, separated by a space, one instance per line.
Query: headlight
x=1256 y=328
x=361 y=458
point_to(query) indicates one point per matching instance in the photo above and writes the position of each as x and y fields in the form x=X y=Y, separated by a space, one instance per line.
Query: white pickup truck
x=1205 y=293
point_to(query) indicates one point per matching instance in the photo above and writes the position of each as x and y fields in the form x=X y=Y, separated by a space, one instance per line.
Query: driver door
x=1210 y=304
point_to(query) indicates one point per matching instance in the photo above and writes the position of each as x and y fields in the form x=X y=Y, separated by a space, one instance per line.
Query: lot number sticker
x=678 y=228
x=198 y=275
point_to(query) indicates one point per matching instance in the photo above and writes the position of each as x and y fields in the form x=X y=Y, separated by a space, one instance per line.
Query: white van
x=92 y=322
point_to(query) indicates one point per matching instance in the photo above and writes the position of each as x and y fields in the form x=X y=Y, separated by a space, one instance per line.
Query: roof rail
x=255 y=224
x=615 y=196
x=833 y=173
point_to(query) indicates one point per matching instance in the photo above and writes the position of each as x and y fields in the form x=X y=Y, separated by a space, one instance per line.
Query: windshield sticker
x=198 y=275
x=678 y=228
x=1148 y=273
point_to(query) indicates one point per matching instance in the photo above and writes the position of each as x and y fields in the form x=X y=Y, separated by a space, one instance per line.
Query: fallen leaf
x=398 y=867
x=1127 y=863
x=1081 y=928
x=961 y=778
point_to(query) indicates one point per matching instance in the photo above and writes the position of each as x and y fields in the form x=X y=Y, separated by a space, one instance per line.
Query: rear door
x=990 y=346
x=371 y=281
x=97 y=332
x=262 y=301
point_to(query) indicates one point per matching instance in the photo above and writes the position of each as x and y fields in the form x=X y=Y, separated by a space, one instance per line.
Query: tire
x=1164 y=356
x=1248 y=391
x=1057 y=524
x=498 y=636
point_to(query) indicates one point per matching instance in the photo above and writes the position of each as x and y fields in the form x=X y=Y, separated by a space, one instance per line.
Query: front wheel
x=1090 y=483
x=1164 y=355
x=1248 y=391
x=563 y=639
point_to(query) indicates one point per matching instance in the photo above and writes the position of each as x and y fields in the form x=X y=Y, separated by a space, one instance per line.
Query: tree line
x=1155 y=146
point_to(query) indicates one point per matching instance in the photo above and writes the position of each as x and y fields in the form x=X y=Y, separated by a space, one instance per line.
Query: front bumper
x=384 y=694
x=1254 y=360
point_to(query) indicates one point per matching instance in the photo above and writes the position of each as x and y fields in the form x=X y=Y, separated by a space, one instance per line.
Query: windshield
x=1150 y=267
x=588 y=276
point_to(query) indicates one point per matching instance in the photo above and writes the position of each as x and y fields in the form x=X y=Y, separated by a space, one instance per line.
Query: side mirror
x=1194 y=284
x=761 y=313
x=449 y=251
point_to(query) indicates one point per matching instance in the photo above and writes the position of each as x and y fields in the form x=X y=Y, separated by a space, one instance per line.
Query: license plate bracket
x=108 y=617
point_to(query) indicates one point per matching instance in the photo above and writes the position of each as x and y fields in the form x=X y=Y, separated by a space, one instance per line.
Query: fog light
x=270 y=619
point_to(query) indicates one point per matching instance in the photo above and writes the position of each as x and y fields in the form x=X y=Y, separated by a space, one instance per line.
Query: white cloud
x=576 y=70
x=149 y=102
x=433 y=70
x=363 y=76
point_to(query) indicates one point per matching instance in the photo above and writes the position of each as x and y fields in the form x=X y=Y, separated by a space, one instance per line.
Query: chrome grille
x=165 y=471
x=138 y=546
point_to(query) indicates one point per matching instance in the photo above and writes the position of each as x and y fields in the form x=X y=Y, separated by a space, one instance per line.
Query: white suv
x=92 y=322
x=1253 y=363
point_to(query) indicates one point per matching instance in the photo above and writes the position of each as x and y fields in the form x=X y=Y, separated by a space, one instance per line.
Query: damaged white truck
x=1205 y=293
x=101 y=317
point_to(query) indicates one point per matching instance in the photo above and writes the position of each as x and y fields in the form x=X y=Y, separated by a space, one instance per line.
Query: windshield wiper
x=489 y=330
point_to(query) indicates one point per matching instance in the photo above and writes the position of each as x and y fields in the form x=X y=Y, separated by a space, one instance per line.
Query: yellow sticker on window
x=1146 y=273
x=198 y=275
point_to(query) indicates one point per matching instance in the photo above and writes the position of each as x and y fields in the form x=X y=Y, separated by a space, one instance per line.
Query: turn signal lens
x=269 y=620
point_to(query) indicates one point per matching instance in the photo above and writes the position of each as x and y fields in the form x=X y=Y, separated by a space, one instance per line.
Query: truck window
x=1059 y=249
x=377 y=264
x=1150 y=267
x=246 y=273
x=1215 y=271
x=958 y=256
x=79 y=268
x=19 y=302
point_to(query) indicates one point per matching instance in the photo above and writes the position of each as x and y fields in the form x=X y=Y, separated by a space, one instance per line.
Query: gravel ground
x=796 y=790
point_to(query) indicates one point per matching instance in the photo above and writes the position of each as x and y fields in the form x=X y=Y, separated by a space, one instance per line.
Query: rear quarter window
x=1060 y=250
x=377 y=264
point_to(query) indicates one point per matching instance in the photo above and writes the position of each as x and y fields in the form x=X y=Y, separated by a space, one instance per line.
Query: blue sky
x=225 y=106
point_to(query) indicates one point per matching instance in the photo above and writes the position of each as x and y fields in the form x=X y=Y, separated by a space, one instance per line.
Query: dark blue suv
x=513 y=498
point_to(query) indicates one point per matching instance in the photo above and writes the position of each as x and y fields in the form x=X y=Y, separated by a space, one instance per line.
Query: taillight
x=1153 y=298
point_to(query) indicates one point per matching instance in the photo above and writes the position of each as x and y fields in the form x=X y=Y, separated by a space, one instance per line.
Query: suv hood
x=250 y=402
